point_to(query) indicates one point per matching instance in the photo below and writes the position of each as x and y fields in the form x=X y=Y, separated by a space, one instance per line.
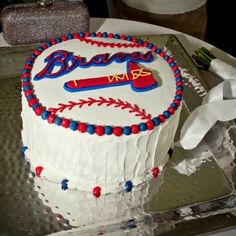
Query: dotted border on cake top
x=100 y=130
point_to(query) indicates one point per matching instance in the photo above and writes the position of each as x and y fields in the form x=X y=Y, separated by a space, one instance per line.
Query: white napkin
x=223 y=69
x=218 y=105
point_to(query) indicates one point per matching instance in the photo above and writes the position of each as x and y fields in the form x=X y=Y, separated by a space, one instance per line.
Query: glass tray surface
x=22 y=212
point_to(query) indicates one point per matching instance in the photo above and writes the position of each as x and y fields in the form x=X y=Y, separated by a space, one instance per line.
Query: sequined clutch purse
x=37 y=22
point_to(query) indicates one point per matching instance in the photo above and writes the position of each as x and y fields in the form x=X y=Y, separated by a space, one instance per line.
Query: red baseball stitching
x=103 y=101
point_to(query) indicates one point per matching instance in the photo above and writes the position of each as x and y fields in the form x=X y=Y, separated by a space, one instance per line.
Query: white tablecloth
x=138 y=28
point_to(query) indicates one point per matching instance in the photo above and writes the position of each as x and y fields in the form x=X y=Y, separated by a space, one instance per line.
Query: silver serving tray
x=179 y=198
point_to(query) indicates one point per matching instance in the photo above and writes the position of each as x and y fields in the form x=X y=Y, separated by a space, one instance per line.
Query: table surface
x=138 y=29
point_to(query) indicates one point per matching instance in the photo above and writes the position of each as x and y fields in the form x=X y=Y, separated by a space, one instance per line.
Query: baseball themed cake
x=99 y=111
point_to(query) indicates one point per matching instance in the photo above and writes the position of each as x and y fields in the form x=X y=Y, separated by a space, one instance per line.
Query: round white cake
x=99 y=111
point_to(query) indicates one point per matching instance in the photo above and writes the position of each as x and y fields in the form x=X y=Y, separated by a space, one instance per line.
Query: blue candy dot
x=166 y=57
x=29 y=97
x=44 y=115
x=117 y=36
x=128 y=186
x=166 y=114
x=58 y=121
x=158 y=50
x=69 y=36
x=142 y=126
x=140 y=41
x=58 y=40
x=48 y=44
x=127 y=130
x=179 y=88
x=129 y=38
x=172 y=64
x=23 y=149
x=104 y=35
x=91 y=129
x=108 y=130
x=173 y=105
x=156 y=121
x=178 y=97
x=33 y=56
x=26 y=79
x=29 y=63
x=25 y=88
x=177 y=71
x=40 y=49
x=64 y=184
x=81 y=34
x=178 y=79
x=73 y=125
x=24 y=70
x=150 y=45
x=35 y=105
x=93 y=34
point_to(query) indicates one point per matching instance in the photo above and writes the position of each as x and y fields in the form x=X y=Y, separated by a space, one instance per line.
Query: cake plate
x=196 y=193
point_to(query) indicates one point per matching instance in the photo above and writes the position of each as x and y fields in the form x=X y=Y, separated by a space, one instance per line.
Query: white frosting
x=90 y=160
x=51 y=92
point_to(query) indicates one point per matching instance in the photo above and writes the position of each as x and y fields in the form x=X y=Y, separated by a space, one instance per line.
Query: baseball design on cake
x=99 y=111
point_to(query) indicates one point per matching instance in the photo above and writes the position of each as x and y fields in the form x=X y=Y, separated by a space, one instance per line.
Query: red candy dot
x=171 y=110
x=150 y=125
x=75 y=35
x=37 y=52
x=99 y=130
x=53 y=42
x=86 y=34
x=111 y=35
x=63 y=38
x=32 y=101
x=155 y=172
x=177 y=102
x=162 y=54
x=123 y=37
x=161 y=118
x=99 y=34
x=28 y=92
x=170 y=59
x=179 y=92
x=25 y=84
x=26 y=74
x=153 y=48
x=134 y=129
x=82 y=127
x=174 y=67
x=177 y=75
x=117 y=131
x=145 y=43
x=65 y=123
x=97 y=191
x=51 y=118
x=44 y=46
x=38 y=170
x=134 y=40
x=179 y=83
x=38 y=110
x=26 y=66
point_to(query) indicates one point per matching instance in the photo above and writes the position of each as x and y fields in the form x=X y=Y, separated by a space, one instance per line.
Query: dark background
x=220 y=28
